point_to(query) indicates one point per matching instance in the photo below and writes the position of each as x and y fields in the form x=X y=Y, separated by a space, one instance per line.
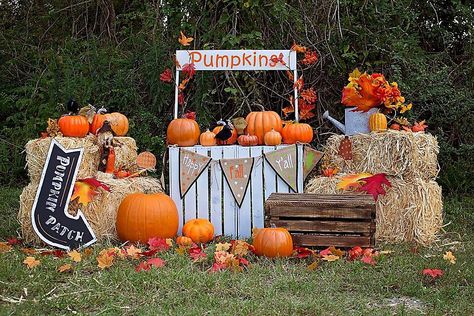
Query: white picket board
x=256 y=188
x=203 y=182
x=174 y=183
x=230 y=206
x=244 y=216
x=210 y=195
x=216 y=191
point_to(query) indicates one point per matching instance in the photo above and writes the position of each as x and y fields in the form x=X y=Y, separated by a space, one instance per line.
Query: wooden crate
x=323 y=220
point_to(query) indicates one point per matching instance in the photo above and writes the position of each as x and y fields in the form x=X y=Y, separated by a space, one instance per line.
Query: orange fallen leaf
x=331 y=258
x=240 y=248
x=74 y=255
x=133 y=252
x=87 y=252
x=184 y=40
x=313 y=266
x=336 y=251
x=223 y=246
x=31 y=262
x=5 y=247
x=351 y=181
x=28 y=251
x=105 y=260
x=84 y=192
x=65 y=268
x=448 y=256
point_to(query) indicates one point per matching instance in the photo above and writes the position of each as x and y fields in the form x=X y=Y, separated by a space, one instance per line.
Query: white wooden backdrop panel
x=210 y=196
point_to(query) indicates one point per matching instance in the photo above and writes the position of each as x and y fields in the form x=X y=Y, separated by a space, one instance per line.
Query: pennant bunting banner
x=191 y=166
x=237 y=174
x=284 y=163
x=311 y=158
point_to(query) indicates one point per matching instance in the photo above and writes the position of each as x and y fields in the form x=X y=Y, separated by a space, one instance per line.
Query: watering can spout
x=335 y=122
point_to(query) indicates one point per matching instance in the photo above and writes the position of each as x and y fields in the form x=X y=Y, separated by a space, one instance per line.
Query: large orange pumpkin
x=272 y=138
x=73 y=125
x=207 y=138
x=141 y=216
x=183 y=132
x=273 y=242
x=297 y=132
x=259 y=123
x=232 y=140
x=199 y=230
x=118 y=123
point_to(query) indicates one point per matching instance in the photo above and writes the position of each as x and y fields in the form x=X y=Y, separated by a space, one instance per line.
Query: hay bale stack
x=100 y=213
x=411 y=210
x=402 y=154
x=37 y=150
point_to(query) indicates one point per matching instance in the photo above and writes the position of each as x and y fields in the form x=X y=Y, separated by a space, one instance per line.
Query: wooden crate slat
x=323 y=226
x=310 y=240
x=303 y=211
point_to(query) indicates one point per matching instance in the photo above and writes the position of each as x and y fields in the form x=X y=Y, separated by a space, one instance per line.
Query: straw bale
x=402 y=154
x=37 y=150
x=409 y=211
x=100 y=213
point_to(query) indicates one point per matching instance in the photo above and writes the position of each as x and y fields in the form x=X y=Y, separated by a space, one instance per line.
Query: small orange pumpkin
x=232 y=140
x=141 y=216
x=73 y=125
x=272 y=138
x=377 y=122
x=199 y=230
x=297 y=132
x=207 y=138
x=259 y=123
x=118 y=123
x=247 y=140
x=273 y=242
x=183 y=132
x=184 y=241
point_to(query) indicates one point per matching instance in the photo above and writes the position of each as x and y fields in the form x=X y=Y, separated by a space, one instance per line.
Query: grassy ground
x=394 y=285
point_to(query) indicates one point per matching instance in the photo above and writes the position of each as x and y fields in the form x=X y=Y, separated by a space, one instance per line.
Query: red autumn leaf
x=309 y=95
x=434 y=273
x=325 y=252
x=156 y=262
x=149 y=253
x=190 y=115
x=305 y=109
x=218 y=267
x=244 y=261
x=13 y=241
x=355 y=253
x=143 y=266
x=309 y=58
x=196 y=253
x=56 y=253
x=302 y=252
x=157 y=243
x=180 y=98
x=95 y=183
x=299 y=83
x=290 y=75
x=368 y=260
x=373 y=185
x=166 y=76
x=189 y=70
x=365 y=97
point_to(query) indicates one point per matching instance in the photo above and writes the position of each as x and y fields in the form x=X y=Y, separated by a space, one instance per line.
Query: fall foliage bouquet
x=366 y=91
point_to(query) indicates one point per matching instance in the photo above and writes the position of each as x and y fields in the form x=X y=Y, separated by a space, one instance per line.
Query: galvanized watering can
x=356 y=122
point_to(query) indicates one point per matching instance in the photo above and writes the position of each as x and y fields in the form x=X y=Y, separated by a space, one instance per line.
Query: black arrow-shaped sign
x=49 y=216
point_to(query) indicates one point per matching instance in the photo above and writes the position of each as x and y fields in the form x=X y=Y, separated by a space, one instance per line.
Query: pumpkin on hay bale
x=101 y=213
x=401 y=154
x=411 y=210
x=37 y=150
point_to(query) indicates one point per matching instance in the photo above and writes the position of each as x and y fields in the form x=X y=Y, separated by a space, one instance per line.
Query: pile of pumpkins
x=78 y=125
x=142 y=216
x=263 y=128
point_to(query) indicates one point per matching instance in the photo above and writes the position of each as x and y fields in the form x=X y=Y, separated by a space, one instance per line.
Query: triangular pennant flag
x=284 y=162
x=191 y=165
x=237 y=174
x=311 y=158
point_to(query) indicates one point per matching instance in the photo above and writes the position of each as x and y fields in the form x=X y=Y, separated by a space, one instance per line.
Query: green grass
x=281 y=287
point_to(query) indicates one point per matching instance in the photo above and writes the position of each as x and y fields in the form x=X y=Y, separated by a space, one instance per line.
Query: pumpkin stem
x=260 y=106
x=102 y=110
